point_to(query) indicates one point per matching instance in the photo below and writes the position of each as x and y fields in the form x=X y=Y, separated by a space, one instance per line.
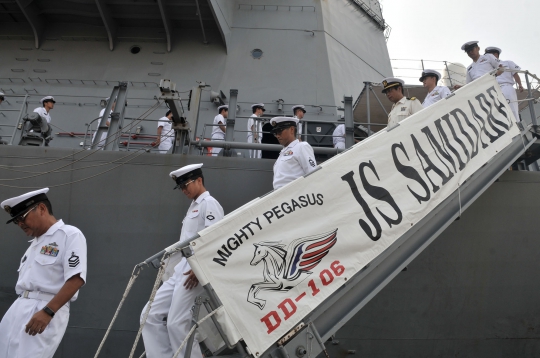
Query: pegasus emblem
x=285 y=267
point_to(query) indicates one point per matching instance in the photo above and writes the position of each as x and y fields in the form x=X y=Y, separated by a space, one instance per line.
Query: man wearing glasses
x=169 y=319
x=296 y=159
x=51 y=272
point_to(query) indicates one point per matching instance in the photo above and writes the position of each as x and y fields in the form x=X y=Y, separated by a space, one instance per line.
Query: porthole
x=135 y=49
x=256 y=53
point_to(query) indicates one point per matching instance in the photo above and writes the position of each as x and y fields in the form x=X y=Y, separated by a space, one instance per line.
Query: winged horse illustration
x=284 y=268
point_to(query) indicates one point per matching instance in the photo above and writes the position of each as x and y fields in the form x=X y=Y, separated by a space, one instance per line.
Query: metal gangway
x=294 y=328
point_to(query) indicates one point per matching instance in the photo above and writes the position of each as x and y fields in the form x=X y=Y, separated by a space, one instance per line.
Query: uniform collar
x=291 y=145
x=51 y=230
x=201 y=197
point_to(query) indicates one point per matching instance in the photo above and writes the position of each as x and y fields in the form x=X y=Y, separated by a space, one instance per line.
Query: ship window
x=135 y=49
x=256 y=53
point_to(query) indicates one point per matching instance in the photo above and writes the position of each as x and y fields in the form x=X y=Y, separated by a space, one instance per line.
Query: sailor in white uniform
x=169 y=319
x=254 y=127
x=338 y=137
x=403 y=107
x=51 y=272
x=47 y=103
x=429 y=79
x=220 y=126
x=507 y=80
x=481 y=65
x=298 y=112
x=165 y=133
x=296 y=159
x=103 y=139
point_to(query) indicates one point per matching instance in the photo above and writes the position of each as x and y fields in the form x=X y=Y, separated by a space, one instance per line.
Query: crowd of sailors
x=54 y=267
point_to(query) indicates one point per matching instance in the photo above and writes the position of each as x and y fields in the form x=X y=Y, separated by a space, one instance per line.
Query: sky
x=435 y=30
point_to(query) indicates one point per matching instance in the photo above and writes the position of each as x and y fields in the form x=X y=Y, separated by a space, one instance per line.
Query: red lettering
x=267 y=321
x=314 y=289
x=337 y=268
x=287 y=311
x=328 y=279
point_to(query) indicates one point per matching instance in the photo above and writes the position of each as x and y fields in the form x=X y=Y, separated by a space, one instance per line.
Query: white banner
x=275 y=259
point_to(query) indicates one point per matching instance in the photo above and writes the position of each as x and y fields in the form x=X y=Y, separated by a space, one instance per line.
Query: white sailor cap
x=469 y=45
x=47 y=99
x=301 y=106
x=183 y=175
x=280 y=123
x=491 y=49
x=390 y=82
x=258 y=105
x=226 y=106
x=19 y=205
x=427 y=73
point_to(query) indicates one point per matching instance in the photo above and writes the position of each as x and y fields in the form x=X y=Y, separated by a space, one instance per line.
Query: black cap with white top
x=19 y=205
x=430 y=73
x=185 y=174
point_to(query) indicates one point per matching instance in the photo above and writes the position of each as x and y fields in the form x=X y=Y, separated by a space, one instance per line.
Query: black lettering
x=314 y=201
x=248 y=228
x=268 y=215
x=498 y=104
x=490 y=118
x=381 y=194
x=295 y=204
x=303 y=200
x=222 y=256
x=257 y=223
x=455 y=113
x=430 y=166
x=482 y=125
x=288 y=209
x=277 y=212
x=437 y=148
x=319 y=199
x=242 y=234
x=443 y=136
x=236 y=244
x=411 y=173
x=356 y=193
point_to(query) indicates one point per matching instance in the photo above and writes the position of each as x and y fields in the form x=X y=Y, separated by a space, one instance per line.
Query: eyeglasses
x=21 y=219
x=277 y=131
x=184 y=186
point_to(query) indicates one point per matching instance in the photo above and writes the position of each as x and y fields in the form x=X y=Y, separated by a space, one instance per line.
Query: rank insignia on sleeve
x=210 y=217
x=49 y=250
x=74 y=260
x=311 y=162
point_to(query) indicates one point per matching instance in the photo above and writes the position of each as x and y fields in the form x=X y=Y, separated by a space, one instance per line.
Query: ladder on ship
x=306 y=335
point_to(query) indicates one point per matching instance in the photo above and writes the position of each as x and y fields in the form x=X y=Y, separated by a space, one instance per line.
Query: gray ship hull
x=472 y=293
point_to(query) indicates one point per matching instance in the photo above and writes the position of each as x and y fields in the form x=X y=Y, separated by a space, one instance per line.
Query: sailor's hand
x=520 y=88
x=500 y=70
x=456 y=87
x=191 y=281
x=40 y=320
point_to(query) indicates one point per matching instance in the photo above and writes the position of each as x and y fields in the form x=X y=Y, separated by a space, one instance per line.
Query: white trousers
x=340 y=145
x=164 y=146
x=169 y=319
x=510 y=94
x=16 y=343
x=215 y=151
x=253 y=153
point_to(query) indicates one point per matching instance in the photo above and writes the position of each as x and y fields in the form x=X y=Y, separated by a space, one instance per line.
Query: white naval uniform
x=47 y=264
x=402 y=109
x=338 y=137
x=103 y=139
x=167 y=135
x=506 y=81
x=217 y=133
x=294 y=161
x=438 y=93
x=169 y=319
x=258 y=129
x=485 y=63
x=43 y=113
x=298 y=128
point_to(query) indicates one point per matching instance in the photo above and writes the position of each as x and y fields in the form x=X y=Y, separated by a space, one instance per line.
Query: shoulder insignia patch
x=311 y=162
x=74 y=260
